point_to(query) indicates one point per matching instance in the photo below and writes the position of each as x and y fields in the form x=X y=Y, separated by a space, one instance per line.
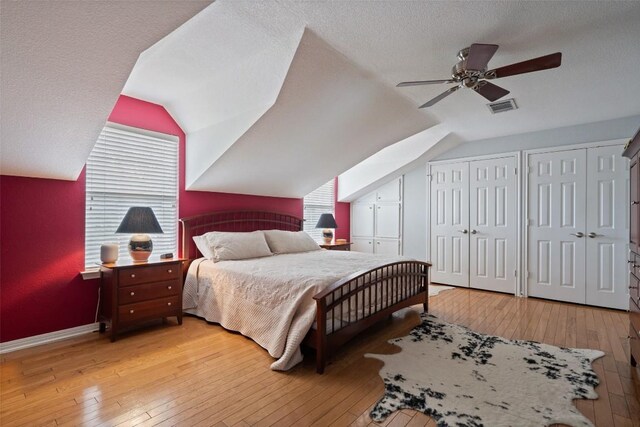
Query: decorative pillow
x=232 y=246
x=286 y=242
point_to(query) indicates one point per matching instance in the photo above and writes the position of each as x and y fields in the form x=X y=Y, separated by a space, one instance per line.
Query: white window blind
x=130 y=167
x=317 y=202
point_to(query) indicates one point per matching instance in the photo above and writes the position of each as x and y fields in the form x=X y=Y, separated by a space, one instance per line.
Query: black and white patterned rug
x=464 y=378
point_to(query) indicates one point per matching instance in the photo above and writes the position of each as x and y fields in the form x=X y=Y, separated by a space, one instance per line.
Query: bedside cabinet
x=132 y=293
x=337 y=246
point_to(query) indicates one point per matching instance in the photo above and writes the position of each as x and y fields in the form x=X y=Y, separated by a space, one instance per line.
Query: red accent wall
x=343 y=216
x=42 y=235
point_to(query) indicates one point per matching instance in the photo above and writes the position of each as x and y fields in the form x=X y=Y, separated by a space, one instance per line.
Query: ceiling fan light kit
x=471 y=72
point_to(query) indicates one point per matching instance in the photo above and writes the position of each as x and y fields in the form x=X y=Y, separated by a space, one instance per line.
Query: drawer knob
x=168 y=303
x=169 y=271
x=169 y=287
x=132 y=293
x=133 y=275
x=131 y=311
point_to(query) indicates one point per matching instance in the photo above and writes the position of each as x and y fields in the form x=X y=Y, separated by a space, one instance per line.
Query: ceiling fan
x=471 y=72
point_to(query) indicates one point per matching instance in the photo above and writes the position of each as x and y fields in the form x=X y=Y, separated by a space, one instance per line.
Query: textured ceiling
x=277 y=96
x=269 y=106
x=250 y=103
x=64 y=64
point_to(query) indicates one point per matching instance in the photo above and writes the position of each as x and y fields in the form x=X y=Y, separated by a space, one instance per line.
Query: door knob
x=635 y=202
x=579 y=234
x=592 y=235
x=463 y=231
x=474 y=232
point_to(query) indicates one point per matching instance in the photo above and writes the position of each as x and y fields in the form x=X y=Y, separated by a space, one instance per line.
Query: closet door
x=557 y=219
x=388 y=220
x=449 y=213
x=493 y=224
x=387 y=246
x=607 y=231
x=362 y=219
x=362 y=244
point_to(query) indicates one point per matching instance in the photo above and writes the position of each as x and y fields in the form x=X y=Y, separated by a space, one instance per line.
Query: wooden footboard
x=358 y=301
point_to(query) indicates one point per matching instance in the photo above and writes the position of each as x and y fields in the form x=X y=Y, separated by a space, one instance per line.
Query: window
x=316 y=203
x=130 y=167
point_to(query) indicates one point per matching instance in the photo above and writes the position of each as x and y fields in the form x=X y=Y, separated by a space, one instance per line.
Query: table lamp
x=140 y=221
x=327 y=222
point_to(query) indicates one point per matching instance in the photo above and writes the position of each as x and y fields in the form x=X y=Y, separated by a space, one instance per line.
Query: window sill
x=91 y=273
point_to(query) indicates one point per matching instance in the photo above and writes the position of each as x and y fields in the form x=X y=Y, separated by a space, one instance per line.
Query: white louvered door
x=607 y=227
x=493 y=222
x=556 y=213
x=450 y=223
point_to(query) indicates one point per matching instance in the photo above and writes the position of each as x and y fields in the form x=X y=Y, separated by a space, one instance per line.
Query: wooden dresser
x=133 y=293
x=632 y=151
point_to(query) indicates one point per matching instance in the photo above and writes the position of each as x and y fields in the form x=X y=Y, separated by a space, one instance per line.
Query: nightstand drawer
x=152 y=309
x=156 y=273
x=148 y=291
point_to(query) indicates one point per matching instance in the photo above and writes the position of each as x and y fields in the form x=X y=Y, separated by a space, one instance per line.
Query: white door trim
x=524 y=176
x=519 y=290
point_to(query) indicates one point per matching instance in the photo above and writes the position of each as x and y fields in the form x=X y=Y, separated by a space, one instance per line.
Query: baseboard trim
x=19 y=344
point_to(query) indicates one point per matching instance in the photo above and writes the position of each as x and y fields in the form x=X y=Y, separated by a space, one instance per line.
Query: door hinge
x=515 y=171
x=515 y=273
x=529 y=170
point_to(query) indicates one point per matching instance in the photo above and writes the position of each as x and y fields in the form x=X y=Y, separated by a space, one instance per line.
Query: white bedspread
x=270 y=299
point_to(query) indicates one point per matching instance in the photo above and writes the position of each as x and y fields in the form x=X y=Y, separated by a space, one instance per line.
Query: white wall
x=415 y=180
x=590 y=132
x=415 y=213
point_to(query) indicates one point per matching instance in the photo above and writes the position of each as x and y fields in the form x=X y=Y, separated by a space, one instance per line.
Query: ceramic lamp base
x=140 y=247
x=327 y=236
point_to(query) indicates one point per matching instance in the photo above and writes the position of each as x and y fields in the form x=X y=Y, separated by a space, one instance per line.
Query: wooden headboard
x=236 y=221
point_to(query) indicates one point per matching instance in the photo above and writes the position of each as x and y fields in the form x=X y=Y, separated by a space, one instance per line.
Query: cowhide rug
x=436 y=289
x=464 y=378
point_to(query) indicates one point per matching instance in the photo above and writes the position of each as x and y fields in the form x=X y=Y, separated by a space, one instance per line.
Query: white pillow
x=223 y=246
x=203 y=246
x=286 y=242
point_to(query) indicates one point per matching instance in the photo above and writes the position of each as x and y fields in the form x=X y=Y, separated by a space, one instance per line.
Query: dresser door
x=634 y=212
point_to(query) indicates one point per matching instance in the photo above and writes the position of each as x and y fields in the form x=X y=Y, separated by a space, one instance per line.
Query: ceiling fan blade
x=490 y=91
x=479 y=56
x=537 y=64
x=424 y=82
x=440 y=97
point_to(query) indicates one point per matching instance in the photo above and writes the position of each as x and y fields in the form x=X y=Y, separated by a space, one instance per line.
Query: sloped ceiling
x=270 y=108
x=278 y=96
x=64 y=64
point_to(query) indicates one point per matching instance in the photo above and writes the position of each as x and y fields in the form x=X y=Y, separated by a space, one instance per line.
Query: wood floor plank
x=200 y=374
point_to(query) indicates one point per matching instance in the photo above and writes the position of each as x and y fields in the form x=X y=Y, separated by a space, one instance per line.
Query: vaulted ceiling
x=277 y=97
x=64 y=64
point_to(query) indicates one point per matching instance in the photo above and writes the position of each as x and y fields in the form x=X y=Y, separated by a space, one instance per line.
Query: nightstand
x=133 y=293
x=337 y=246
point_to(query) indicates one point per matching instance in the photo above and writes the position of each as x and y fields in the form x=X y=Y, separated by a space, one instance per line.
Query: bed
x=321 y=299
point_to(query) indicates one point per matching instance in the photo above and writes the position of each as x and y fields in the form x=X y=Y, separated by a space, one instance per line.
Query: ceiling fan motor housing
x=460 y=73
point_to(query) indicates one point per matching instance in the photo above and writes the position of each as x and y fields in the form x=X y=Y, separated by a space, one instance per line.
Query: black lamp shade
x=326 y=221
x=139 y=220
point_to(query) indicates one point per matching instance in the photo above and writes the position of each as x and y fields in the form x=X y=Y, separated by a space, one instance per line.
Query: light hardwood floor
x=200 y=374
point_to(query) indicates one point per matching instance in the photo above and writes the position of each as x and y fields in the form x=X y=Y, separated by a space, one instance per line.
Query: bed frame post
x=321 y=335
x=426 y=280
